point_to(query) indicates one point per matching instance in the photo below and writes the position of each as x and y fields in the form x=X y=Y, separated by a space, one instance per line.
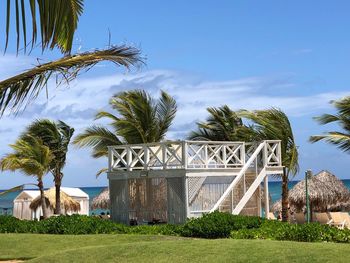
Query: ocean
x=6 y=201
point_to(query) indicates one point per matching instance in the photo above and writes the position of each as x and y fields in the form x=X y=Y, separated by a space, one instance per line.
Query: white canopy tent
x=22 y=202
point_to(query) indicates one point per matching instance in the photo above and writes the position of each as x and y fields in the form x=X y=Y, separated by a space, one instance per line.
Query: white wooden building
x=172 y=181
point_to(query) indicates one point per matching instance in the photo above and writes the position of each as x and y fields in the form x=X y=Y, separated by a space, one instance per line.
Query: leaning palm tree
x=139 y=119
x=339 y=138
x=222 y=124
x=32 y=158
x=56 y=20
x=56 y=136
x=273 y=124
x=19 y=90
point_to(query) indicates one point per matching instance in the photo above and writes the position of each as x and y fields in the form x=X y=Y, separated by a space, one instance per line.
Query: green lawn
x=137 y=248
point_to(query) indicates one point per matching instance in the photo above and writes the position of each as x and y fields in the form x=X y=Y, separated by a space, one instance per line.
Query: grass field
x=137 y=248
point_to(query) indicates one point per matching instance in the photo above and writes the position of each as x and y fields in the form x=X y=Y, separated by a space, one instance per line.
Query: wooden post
x=266 y=193
x=110 y=159
x=164 y=155
x=145 y=157
x=224 y=156
x=128 y=159
x=206 y=161
x=184 y=154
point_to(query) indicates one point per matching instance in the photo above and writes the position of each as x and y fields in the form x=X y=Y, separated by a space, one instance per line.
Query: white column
x=266 y=193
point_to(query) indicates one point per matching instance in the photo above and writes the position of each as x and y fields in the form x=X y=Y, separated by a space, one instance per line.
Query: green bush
x=79 y=224
x=213 y=225
x=219 y=225
x=312 y=232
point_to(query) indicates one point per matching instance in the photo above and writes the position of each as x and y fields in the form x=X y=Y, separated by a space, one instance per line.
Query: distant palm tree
x=139 y=119
x=58 y=21
x=32 y=158
x=273 y=124
x=339 y=138
x=56 y=136
x=223 y=124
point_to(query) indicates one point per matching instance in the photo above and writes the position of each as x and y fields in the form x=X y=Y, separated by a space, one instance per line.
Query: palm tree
x=223 y=124
x=339 y=138
x=273 y=124
x=140 y=119
x=56 y=136
x=58 y=21
x=32 y=158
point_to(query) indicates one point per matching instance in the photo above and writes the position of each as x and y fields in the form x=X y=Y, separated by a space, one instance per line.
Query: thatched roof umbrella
x=67 y=202
x=102 y=200
x=326 y=192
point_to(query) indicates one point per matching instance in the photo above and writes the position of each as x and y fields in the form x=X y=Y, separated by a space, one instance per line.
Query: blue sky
x=248 y=54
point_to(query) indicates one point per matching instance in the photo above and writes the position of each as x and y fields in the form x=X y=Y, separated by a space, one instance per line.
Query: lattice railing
x=189 y=155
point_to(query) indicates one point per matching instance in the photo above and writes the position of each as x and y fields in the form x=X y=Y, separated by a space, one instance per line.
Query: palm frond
x=57 y=21
x=97 y=137
x=15 y=189
x=18 y=91
x=222 y=124
x=165 y=112
x=341 y=139
x=102 y=171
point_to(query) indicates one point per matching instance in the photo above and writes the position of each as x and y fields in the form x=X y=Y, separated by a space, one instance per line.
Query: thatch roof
x=326 y=192
x=101 y=201
x=67 y=202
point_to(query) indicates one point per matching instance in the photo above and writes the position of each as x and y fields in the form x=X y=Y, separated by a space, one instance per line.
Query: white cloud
x=77 y=104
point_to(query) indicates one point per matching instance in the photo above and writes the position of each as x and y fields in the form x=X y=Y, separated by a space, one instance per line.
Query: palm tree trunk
x=58 y=193
x=285 y=195
x=42 y=197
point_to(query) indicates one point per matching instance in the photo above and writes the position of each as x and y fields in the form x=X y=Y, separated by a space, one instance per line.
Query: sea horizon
x=6 y=201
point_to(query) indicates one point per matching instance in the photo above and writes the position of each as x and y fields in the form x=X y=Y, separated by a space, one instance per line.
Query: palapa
x=102 y=200
x=326 y=193
x=67 y=202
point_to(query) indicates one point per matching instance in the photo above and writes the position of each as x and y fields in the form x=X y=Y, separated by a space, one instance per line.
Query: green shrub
x=213 y=225
x=79 y=224
x=219 y=225
x=312 y=232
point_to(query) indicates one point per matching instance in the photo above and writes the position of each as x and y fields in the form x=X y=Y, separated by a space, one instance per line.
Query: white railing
x=190 y=155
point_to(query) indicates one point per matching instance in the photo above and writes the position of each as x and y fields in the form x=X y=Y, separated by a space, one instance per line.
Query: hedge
x=213 y=225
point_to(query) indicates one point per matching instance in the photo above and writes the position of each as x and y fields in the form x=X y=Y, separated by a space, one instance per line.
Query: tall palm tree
x=139 y=119
x=32 y=158
x=339 y=138
x=273 y=124
x=222 y=124
x=56 y=20
x=56 y=136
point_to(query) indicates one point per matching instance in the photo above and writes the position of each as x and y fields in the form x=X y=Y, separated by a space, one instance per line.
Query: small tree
x=273 y=124
x=57 y=137
x=32 y=158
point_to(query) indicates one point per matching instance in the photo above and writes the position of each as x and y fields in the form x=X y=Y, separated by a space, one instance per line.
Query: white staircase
x=264 y=157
